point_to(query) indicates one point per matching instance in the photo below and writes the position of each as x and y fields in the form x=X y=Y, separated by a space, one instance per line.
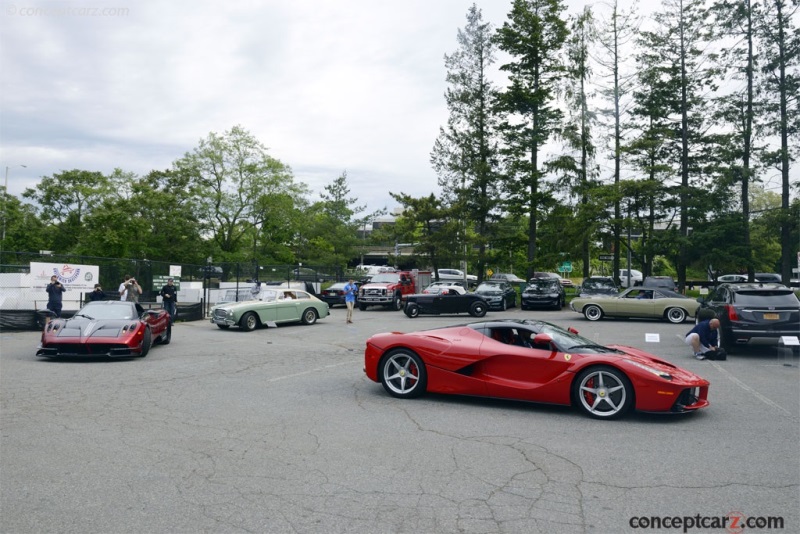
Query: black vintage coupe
x=447 y=301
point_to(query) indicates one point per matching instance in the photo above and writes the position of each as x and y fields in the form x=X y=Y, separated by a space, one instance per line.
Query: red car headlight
x=662 y=374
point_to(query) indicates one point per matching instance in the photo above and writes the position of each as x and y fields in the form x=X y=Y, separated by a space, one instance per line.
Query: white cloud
x=353 y=85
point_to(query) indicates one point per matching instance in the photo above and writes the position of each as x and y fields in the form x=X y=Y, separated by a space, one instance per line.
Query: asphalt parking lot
x=279 y=430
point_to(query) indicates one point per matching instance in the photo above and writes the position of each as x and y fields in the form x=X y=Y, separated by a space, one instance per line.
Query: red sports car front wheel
x=603 y=392
x=402 y=374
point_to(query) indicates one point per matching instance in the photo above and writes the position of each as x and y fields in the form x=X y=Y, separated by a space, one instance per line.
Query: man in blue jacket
x=54 y=293
x=350 y=290
x=703 y=338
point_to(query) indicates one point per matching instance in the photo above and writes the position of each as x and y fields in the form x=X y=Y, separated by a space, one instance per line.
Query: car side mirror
x=542 y=339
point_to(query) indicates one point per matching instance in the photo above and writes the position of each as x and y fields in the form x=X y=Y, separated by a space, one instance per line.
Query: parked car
x=732 y=278
x=753 y=314
x=565 y=282
x=273 y=307
x=511 y=278
x=310 y=275
x=759 y=277
x=437 y=287
x=547 y=292
x=768 y=277
x=456 y=275
x=597 y=285
x=211 y=271
x=532 y=361
x=453 y=283
x=334 y=294
x=640 y=302
x=110 y=328
x=448 y=300
x=635 y=278
x=667 y=282
x=499 y=295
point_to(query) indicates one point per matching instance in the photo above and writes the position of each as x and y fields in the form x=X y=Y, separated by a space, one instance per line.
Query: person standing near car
x=350 y=298
x=123 y=288
x=54 y=293
x=132 y=290
x=169 y=299
x=97 y=294
x=703 y=338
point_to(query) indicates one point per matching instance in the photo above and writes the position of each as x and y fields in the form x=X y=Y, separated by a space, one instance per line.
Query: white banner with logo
x=72 y=276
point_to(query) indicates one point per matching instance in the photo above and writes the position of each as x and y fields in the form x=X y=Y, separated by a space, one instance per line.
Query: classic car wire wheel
x=604 y=392
x=403 y=374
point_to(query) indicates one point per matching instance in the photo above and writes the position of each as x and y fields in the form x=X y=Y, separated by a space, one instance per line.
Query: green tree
x=464 y=153
x=614 y=37
x=781 y=86
x=533 y=37
x=22 y=229
x=427 y=224
x=232 y=178
x=64 y=199
x=675 y=73
x=575 y=165
x=335 y=223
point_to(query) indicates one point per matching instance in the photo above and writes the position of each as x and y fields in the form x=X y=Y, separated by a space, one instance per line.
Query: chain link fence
x=22 y=298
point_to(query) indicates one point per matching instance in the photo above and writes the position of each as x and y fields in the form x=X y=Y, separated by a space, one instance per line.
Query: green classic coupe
x=270 y=307
x=644 y=302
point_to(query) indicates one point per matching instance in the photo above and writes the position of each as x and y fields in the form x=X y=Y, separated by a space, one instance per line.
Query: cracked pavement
x=279 y=430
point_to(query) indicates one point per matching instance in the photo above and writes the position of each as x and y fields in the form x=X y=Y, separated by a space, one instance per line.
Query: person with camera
x=132 y=290
x=55 y=291
x=97 y=294
x=123 y=288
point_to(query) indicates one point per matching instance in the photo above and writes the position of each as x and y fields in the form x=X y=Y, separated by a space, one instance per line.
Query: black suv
x=753 y=314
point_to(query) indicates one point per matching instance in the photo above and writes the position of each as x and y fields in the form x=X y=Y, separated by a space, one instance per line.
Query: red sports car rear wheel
x=403 y=374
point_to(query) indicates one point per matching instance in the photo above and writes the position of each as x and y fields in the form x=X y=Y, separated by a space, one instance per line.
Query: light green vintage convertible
x=270 y=307
x=640 y=302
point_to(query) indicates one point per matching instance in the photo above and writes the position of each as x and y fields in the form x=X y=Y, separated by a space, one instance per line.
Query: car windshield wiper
x=599 y=348
x=83 y=315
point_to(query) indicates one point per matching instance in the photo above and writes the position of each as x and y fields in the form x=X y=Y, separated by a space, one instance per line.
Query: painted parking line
x=312 y=371
x=750 y=390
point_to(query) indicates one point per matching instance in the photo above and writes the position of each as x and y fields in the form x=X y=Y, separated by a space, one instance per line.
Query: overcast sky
x=353 y=85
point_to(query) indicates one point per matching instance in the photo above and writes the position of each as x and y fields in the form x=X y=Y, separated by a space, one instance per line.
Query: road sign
x=489 y=273
x=565 y=267
x=606 y=257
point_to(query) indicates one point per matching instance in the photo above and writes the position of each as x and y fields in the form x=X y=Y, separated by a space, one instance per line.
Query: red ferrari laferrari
x=531 y=361
x=110 y=328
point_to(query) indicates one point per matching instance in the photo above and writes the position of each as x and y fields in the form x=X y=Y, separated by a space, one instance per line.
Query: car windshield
x=598 y=284
x=108 y=310
x=765 y=298
x=544 y=283
x=566 y=341
x=386 y=278
x=489 y=288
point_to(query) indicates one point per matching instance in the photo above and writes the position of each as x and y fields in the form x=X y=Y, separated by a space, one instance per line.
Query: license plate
x=771 y=316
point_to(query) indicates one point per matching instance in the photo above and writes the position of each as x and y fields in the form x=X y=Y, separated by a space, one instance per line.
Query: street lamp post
x=5 y=209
